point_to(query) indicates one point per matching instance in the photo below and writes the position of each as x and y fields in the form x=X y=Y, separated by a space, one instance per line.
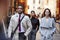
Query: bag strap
x=13 y=32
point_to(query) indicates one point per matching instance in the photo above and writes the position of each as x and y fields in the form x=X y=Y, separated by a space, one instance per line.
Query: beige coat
x=26 y=23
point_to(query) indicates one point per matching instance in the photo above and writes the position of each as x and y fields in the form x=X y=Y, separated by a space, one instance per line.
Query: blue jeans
x=32 y=35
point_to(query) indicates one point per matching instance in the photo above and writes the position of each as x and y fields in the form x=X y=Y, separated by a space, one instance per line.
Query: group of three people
x=27 y=28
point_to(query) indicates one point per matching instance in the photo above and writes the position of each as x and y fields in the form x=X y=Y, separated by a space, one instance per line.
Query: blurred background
x=37 y=5
x=8 y=8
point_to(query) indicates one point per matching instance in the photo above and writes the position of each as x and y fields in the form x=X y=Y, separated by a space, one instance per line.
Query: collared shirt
x=22 y=28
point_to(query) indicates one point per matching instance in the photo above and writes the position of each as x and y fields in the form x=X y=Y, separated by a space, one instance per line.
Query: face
x=20 y=9
x=47 y=13
x=33 y=14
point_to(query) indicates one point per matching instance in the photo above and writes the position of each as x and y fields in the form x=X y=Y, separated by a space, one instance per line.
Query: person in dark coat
x=35 y=26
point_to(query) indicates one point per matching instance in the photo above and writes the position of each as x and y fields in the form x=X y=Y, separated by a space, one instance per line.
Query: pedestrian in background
x=35 y=26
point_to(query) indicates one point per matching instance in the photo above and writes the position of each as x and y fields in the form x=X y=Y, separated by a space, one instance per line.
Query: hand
x=9 y=39
x=24 y=37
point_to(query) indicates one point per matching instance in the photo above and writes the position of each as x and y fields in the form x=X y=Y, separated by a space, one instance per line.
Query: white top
x=47 y=22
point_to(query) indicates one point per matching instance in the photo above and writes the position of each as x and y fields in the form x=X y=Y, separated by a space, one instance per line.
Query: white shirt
x=22 y=28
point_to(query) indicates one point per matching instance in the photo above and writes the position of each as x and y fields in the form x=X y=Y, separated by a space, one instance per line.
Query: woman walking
x=47 y=26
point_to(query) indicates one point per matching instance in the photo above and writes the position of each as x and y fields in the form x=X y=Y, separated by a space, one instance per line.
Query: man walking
x=23 y=22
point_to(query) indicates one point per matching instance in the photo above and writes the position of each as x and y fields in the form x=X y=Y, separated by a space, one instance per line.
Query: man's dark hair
x=22 y=6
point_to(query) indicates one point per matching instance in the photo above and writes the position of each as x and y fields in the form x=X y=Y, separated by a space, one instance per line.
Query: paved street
x=38 y=36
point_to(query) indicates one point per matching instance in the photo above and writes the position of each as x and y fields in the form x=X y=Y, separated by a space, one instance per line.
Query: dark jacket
x=35 y=23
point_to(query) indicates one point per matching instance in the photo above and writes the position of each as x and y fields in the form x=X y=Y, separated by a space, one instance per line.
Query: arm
x=38 y=25
x=29 y=25
x=54 y=26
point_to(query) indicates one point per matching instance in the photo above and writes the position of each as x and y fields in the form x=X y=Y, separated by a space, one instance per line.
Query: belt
x=21 y=32
x=46 y=28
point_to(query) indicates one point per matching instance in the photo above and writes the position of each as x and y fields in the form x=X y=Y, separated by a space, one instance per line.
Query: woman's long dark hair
x=43 y=15
x=33 y=12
